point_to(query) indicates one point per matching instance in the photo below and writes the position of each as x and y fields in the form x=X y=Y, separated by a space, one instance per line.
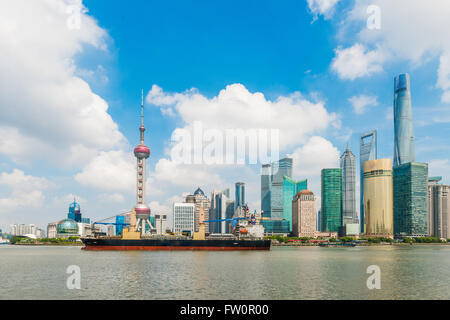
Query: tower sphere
x=142 y=211
x=142 y=151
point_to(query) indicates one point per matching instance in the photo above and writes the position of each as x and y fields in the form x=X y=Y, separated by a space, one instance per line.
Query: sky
x=317 y=72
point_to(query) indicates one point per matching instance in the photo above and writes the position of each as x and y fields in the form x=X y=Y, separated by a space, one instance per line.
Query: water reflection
x=418 y=272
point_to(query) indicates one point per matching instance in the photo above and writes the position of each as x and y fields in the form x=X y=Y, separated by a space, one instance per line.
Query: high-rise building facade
x=403 y=123
x=378 y=198
x=438 y=208
x=199 y=199
x=239 y=195
x=266 y=174
x=183 y=217
x=220 y=205
x=331 y=208
x=411 y=200
x=348 y=166
x=290 y=188
x=304 y=214
x=367 y=151
x=277 y=191
x=280 y=169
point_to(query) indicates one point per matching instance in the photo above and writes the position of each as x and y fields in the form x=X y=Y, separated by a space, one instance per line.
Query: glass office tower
x=348 y=166
x=403 y=123
x=367 y=151
x=331 y=211
x=410 y=199
x=290 y=189
x=239 y=195
x=278 y=189
x=266 y=177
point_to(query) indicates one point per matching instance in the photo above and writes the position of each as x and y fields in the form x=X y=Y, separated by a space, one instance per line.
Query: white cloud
x=47 y=111
x=184 y=175
x=412 y=30
x=313 y=156
x=309 y=160
x=322 y=7
x=236 y=108
x=26 y=191
x=110 y=171
x=362 y=102
x=357 y=61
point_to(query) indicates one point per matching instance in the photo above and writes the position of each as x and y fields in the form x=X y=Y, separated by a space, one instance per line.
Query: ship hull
x=162 y=244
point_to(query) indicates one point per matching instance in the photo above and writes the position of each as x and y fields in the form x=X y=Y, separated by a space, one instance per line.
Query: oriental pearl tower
x=141 y=152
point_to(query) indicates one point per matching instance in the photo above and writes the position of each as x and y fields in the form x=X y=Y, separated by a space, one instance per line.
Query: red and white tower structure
x=141 y=152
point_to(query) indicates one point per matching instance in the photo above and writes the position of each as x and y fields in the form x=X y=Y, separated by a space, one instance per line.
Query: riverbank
x=367 y=244
x=75 y=244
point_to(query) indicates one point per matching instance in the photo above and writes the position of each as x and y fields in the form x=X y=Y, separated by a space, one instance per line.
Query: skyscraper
x=438 y=208
x=403 y=123
x=378 y=198
x=277 y=191
x=220 y=204
x=304 y=214
x=265 y=189
x=200 y=200
x=290 y=188
x=348 y=166
x=280 y=169
x=331 y=208
x=239 y=195
x=367 y=151
x=410 y=199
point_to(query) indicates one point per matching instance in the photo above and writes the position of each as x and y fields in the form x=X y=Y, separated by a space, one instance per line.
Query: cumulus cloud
x=362 y=102
x=357 y=61
x=26 y=190
x=47 y=110
x=236 y=108
x=317 y=153
x=412 y=30
x=110 y=171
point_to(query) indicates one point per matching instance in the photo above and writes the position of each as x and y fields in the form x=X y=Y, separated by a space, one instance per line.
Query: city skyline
x=96 y=104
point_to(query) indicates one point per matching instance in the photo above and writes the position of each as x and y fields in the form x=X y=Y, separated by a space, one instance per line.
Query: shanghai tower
x=403 y=123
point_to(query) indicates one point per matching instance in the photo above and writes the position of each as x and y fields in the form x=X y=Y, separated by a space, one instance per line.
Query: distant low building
x=161 y=223
x=27 y=229
x=326 y=234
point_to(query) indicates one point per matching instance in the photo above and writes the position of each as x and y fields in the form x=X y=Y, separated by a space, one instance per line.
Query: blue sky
x=70 y=97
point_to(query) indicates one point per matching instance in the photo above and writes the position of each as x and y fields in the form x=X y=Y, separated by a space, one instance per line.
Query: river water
x=407 y=272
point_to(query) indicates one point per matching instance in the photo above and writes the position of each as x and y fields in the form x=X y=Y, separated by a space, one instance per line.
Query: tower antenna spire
x=142 y=108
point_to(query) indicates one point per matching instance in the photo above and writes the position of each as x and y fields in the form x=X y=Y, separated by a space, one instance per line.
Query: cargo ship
x=174 y=244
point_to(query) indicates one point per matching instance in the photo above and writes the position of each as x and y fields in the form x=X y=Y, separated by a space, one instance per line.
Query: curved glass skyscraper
x=403 y=124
